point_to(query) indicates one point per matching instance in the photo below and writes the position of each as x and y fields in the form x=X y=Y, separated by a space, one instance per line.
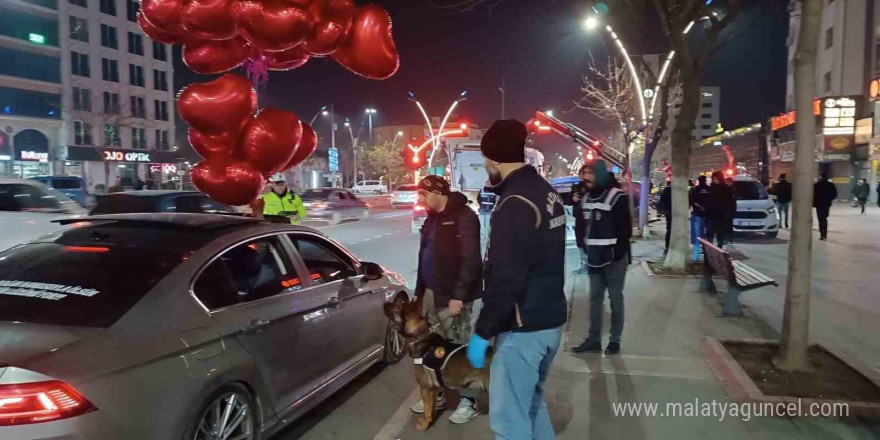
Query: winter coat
x=782 y=191
x=824 y=192
x=861 y=190
x=722 y=202
x=699 y=199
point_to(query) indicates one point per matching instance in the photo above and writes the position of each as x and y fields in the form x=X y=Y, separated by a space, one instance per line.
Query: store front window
x=31 y=154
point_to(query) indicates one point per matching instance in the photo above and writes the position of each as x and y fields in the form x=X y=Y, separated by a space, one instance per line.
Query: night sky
x=540 y=50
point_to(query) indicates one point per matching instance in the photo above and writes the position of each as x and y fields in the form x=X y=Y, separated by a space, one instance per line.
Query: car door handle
x=334 y=302
x=255 y=326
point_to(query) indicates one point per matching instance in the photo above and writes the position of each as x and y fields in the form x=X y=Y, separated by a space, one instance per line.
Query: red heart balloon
x=272 y=25
x=234 y=183
x=212 y=147
x=157 y=34
x=270 y=140
x=286 y=59
x=219 y=107
x=332 y=23
x=164 y=15
x=307 y=145
x=209 y=19
x=215 y=56
x=369 y=50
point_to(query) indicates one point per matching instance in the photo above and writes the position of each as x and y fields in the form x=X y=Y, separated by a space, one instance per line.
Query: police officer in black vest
x=608 y=235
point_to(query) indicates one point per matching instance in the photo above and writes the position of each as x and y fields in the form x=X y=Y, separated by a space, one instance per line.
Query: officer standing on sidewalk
x=524 y=305
x=607 y=248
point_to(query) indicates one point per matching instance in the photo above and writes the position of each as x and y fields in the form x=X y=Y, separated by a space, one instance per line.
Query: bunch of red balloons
x=241 y=146
x=219 y=35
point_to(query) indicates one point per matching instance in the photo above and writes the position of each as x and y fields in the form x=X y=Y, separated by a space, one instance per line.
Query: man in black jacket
x=664 y=207
x=449 y=273
x=824 y=192
x=524 y=305
x=698 y=197
x=607 y=247
x=782 y=191
x=580 y=223
x=720 y=209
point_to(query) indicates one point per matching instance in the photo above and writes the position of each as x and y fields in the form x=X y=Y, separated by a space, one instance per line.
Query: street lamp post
x=437 y=138
x=370 y=113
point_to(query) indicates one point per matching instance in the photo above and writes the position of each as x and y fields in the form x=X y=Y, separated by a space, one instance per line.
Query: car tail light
x=39 y=402
x=419 y=208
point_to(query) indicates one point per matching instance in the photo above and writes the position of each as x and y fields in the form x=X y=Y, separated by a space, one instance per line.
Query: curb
x=741 y=388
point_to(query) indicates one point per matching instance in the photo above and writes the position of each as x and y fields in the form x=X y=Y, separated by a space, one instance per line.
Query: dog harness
x=435 y=359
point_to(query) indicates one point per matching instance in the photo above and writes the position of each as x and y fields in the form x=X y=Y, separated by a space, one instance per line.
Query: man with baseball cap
x=282 y=201
x=524 y=305
x=448 y=278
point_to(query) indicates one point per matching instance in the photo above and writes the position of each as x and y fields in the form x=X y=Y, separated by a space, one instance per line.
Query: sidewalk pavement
x=661 y=362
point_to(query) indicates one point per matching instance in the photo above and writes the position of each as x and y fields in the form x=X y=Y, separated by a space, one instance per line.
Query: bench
x=740 y=277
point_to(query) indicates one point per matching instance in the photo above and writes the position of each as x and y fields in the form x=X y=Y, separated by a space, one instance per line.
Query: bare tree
x=792 y=354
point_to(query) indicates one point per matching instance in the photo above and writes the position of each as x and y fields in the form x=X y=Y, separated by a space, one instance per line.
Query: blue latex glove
x=476 y=351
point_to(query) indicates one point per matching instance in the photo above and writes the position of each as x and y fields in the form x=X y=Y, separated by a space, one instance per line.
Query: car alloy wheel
x=395 y=345
x=228 y=417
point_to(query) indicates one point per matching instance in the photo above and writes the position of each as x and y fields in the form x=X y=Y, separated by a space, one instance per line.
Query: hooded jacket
x=524 y=270
x=456 y=257
x=610 y=225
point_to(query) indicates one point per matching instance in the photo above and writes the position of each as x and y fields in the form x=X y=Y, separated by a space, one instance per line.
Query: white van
x=370 y=187
x=755 y=209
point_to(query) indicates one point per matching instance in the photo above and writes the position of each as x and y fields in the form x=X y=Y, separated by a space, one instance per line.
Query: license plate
x=747 y=223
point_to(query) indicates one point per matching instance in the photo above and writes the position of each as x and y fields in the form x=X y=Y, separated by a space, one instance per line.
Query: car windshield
x=88 y=285
x=407 y=188
x=65 y=184
x=316 y=194
x=34 y=198
x=749 y=190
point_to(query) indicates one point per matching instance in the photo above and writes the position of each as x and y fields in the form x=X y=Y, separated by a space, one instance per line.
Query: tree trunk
x=646 y=189
x=681 y=155
x=792 y=354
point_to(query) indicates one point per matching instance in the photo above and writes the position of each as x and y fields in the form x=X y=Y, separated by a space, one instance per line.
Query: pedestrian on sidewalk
x=699 y=197
x=524 y=305
x=719 y=211
x=580 y=224
x=824 y=192
x=877 y=190
x=664 y=207
x=448 y=277
x=782 y=191
x=861 y=191
x=607 y=248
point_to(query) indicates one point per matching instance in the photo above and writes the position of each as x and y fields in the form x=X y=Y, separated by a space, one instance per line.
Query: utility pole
x=333 y=134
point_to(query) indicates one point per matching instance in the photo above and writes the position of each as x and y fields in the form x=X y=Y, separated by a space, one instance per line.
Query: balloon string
x=257 y=70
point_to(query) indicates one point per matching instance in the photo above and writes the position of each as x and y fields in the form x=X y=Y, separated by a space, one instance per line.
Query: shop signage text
x=126 y=156
x=35 y=155
x=786 y=119
x=839 y=116
x=165 y=168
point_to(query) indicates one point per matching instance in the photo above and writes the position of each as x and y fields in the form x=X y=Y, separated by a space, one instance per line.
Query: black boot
x=588 y=346
x=612 y=348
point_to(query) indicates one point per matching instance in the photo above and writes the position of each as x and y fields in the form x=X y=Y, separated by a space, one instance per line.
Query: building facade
x=708 y=116
x=86 y=82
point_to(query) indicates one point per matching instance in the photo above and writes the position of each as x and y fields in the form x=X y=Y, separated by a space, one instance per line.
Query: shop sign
x=790 y=118
x=34 y=155
x=836 y=157
x=874 y=89
x=840 y=144
x=864 y=128
x=165 y=168
x=839 y=116
x=126 y=156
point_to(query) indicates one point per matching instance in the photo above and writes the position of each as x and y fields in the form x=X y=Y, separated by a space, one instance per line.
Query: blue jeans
x=517 y=410
x=783 y=211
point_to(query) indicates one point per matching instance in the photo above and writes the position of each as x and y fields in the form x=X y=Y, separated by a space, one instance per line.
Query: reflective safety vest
x=288 y=205
x=601 y=231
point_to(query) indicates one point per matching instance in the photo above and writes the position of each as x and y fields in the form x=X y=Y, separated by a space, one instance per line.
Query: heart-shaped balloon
x=332 y=23
x=234 y=183
x=307 y=145
x=209 y=19
x=164 y=15
x=212 y=147
x=219 y=107
x=369 y=50
x=215 y=56
x=288 y=59
x=270 y=140
x=272 y=25
x=158 y=34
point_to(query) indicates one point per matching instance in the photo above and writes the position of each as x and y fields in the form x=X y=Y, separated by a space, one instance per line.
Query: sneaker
x=612 y=348
x=588 y=346
x=419 y=407
x=580 y=271
x=465 y=412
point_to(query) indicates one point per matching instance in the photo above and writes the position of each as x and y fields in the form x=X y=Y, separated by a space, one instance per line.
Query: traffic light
x=414 y=157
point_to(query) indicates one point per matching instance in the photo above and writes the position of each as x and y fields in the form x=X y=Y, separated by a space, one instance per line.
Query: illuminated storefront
x=103 y=168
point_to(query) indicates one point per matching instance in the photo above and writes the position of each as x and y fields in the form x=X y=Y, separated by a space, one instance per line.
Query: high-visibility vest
x=289 y=205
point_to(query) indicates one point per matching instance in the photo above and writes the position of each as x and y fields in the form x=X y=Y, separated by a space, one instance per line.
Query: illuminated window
x=79 y=29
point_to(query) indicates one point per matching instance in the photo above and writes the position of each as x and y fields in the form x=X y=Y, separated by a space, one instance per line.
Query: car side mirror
x=371 y=271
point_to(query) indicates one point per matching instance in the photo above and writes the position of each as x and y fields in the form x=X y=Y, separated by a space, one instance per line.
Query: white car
x=405 y=195
x=755 y=209
x=370 y=187
x=27 y=209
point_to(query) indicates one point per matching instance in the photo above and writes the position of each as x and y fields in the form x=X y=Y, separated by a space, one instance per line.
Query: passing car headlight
x=771 y=211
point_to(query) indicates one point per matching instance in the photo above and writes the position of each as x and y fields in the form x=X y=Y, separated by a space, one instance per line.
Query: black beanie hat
x=435 y=184
x=505 y=141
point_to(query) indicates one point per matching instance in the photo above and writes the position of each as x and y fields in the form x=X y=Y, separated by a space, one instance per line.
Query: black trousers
x=822 y=215
x=717 y=230
x=668 y=230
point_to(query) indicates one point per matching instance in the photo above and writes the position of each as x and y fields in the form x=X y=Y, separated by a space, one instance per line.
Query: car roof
x=14 y=180
x=152 y=193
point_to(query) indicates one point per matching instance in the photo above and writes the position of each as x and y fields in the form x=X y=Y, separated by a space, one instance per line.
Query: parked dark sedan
x=334 y=205
x=158 y=201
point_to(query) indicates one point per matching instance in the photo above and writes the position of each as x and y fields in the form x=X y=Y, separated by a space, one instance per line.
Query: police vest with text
x=281 y=205
x=601 y=236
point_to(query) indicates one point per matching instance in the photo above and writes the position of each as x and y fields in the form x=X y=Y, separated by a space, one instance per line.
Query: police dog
x=456 y=371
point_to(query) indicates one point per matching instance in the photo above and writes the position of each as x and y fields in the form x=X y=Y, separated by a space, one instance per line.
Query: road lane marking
x=372 y=219
x=399 y=419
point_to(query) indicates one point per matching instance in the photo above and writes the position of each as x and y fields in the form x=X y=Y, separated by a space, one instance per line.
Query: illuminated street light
x=548 y=113
x=592 y=22
x=435 y=139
